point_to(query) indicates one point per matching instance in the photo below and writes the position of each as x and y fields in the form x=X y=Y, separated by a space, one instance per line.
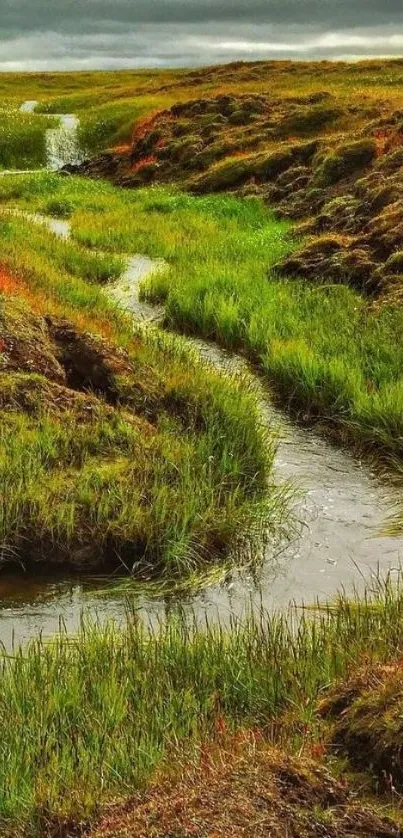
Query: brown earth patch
x=246 y=791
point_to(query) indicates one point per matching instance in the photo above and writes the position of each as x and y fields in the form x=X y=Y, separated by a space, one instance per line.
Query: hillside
x=314 y=149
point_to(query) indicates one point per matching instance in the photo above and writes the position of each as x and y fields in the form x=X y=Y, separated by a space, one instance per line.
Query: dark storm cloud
x=95 y=33
x=25 y=15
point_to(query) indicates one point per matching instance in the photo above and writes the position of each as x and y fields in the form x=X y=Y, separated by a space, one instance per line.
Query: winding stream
x=342 y=507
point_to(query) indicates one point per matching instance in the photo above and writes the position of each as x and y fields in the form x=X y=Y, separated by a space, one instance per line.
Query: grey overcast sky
x=81 y=34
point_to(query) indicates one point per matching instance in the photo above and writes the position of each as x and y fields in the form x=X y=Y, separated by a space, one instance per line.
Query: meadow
x=110 y=103
x=121 y=448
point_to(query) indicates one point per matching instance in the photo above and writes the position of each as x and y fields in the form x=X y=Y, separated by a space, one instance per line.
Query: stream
x=342 y=507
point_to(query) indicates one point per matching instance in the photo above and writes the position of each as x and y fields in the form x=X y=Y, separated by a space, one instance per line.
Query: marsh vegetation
x=121 y=448
x=326 y=351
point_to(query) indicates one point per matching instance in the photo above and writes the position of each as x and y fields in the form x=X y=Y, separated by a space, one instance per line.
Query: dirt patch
x=58 y=351
x=89 y=362
x=247 y=793
x=25 y=345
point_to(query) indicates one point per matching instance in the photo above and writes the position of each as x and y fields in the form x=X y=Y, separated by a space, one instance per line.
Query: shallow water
x=341 y=505
x=342 y=508
x=125 y=292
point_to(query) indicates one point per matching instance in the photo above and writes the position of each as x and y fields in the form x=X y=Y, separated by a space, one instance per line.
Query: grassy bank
x=106 y=123
x=325 y=350
x=22 y=139
x=94 y=717
x=115 y=447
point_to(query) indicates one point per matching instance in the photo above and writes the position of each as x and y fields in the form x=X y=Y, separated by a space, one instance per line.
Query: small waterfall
x=62 y=144
x=29 y=107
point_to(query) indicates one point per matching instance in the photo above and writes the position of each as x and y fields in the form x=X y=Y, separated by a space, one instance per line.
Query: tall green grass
x=325 y=352
x=108 y=490
x=95 y=715
x=167 y=496
x=22 y=139
x=64 y=256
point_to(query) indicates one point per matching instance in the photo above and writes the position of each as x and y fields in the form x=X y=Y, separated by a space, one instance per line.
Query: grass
x=109 y=122
x=324 y=350
x=74 y=260
x=95 y=716
x=169 y=465
x=371 y=80
x=119 y=444
x=22 y=139
x=110 y=103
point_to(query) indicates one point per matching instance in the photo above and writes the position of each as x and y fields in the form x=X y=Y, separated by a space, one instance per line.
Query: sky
x=113 y=34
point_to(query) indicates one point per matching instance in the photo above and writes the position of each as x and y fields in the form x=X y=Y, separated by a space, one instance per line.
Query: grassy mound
x=193 y=137
x=116 y=448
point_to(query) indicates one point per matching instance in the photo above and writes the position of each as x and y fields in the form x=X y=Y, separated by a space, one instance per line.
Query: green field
x=168 y=465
